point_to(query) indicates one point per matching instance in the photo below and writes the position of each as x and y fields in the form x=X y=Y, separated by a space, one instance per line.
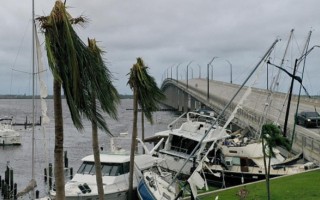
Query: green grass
x=304 y=186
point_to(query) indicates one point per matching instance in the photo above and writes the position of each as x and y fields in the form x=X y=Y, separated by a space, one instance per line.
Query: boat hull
x=155 y=185
x=143 y=192
x=15 y=140
x=228 y=179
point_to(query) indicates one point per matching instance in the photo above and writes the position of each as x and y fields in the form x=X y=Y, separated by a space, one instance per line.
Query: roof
x=158 y=136
x=143 y=161
x=109 y=158
x=196 y=131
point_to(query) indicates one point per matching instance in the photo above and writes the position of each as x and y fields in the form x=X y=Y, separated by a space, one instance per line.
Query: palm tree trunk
x=96 y=152
x=58 y=148
x=268 y=177
x=133 y=141
x=265 y=166
x=142 y=129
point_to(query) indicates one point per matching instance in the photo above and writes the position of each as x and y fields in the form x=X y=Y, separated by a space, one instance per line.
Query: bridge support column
x=185 y=102
x=192 y=104
x=171 y=97
x=180 y=100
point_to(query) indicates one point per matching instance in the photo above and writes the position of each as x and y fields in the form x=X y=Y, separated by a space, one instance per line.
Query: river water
x=77 y=144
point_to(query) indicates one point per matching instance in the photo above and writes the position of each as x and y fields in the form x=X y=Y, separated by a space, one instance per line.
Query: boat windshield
x=182 y=145
x=108 y=169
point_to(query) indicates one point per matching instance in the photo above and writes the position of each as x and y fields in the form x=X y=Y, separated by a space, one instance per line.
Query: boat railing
x=200 y=117
x=179 y=149
x=174 y=123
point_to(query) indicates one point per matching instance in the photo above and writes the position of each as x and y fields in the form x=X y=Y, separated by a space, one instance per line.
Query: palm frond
x=149 y=95
x=273 y=137
x=79 y=68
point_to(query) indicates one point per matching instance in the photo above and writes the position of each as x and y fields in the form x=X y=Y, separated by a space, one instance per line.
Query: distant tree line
x=24 y=96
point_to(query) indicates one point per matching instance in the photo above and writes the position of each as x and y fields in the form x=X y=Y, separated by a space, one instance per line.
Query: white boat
x=184 y=148
x=115 y=175
x=237 y=163
x=155 y=184
x=181 y=142
x=8 y=136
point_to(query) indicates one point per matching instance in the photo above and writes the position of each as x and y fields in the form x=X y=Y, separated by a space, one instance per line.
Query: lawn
x=304 y=186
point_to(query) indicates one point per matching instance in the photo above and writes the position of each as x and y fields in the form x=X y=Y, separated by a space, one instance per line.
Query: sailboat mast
x=296 y=65
x=33 y=96
x=306 y=46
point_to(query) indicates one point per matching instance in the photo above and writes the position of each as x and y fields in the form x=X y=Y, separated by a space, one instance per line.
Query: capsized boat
x=155 y=184
x=8 y=136
x=238 y=160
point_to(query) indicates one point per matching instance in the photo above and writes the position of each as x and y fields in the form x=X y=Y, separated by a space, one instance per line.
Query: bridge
x=259 y=107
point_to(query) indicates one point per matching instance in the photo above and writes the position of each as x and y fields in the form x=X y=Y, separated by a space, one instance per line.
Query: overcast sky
x=168 y=32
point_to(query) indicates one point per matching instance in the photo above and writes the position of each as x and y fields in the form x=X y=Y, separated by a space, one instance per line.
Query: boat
x=237 y=162
x=181 y=142
x=155 y=184
x=115 y=175
x=8 y=136
x=184 y=149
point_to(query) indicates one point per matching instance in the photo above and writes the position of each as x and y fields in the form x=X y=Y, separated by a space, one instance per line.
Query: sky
x=166 y=33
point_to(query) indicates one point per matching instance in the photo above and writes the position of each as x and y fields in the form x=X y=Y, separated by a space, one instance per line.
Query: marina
x=77 y=144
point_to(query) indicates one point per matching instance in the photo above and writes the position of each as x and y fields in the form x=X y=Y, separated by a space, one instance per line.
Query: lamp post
x=171 y=70
x=199 y=71
x=178 y=71
x=230 y=70
x=188 y=71
x=191 y=72
x=208 y=76
x=211 y=71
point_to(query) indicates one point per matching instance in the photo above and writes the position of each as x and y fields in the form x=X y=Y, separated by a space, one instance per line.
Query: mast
x=304 y=64
x=33 y=85
x=296 y=65
x=274 y=87
x=223 y=111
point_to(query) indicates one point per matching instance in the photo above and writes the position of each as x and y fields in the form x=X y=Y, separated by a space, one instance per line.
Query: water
x=77 y=144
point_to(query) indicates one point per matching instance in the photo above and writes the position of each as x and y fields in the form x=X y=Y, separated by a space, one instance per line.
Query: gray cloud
x=167 y=32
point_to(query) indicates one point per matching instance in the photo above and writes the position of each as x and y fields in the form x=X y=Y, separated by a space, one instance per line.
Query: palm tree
x=147 y=94
x=110 y=94
x=81 y=76
x=271 y=137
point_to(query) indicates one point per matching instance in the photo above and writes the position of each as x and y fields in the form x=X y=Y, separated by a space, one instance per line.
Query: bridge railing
x=309 y=146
